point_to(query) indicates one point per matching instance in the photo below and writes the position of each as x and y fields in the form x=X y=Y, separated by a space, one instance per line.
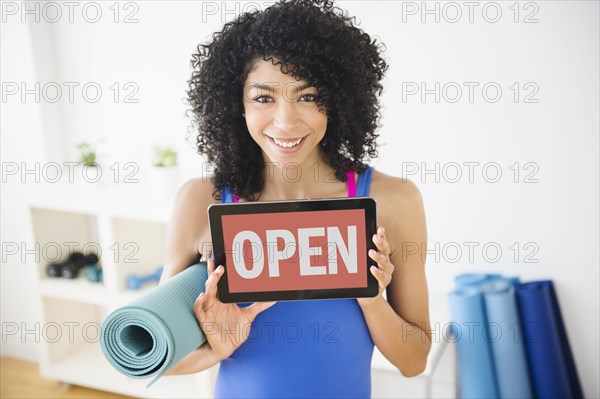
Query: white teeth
x=286 y=145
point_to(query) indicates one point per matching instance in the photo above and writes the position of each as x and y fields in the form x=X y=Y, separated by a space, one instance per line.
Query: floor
x=19 y=379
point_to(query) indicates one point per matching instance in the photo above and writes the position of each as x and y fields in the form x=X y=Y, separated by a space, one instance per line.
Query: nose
x=286 y=116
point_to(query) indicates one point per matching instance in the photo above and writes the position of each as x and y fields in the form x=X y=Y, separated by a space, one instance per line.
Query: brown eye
x=309 y=97
x=262 y=99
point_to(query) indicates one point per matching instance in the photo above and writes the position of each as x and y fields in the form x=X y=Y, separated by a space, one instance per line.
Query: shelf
x=141 y=248
x=88 y=367
x=95 y=198
x=79 y=290
x=125 y=224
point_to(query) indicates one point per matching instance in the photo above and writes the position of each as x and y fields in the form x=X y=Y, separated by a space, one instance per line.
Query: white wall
x=556 y=136
x=21 y=141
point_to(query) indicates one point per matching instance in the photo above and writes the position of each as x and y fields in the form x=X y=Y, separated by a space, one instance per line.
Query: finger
x=257 y=307
x=211 y=265
x=376 y=272
x=210 y=287
x=382 y=244
x=199 y=306
x=379 y=257
x=383 y=261
x=389 y=268
x=380 y=275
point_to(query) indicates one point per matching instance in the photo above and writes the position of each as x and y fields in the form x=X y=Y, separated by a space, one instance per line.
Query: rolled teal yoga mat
x=476 y=366
x=506 y=339
x=553 y=370
x=151 y=334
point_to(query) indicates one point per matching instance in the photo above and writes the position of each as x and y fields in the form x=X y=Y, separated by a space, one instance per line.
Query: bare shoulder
x=188 y=234
x=399 y=207
x=197 y=192
x=393 y=189
x=194 y=198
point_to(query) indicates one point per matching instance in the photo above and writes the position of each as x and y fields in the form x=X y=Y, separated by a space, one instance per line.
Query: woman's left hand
x=383 y=273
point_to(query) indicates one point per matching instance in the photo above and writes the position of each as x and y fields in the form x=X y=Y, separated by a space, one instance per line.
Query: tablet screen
x=311 y=250
x=285 y=250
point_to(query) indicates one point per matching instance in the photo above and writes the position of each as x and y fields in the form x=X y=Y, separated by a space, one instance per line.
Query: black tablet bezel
x=215 y=211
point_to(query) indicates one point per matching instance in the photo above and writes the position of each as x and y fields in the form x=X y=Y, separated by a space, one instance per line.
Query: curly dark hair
x=313 y=40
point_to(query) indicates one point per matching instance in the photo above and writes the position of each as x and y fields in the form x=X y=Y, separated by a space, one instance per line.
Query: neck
x=288 y=181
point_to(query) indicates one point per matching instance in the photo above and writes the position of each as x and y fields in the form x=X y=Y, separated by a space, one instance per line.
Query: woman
x=286 y=103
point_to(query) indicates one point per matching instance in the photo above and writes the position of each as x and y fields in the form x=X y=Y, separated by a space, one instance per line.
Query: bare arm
x=188 y=225
x=189 y=231
x=400 y=326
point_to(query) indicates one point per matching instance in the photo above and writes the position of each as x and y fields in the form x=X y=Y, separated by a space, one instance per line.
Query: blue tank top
x=302 y=349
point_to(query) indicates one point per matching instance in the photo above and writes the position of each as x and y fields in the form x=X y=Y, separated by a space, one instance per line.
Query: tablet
x=294 y=250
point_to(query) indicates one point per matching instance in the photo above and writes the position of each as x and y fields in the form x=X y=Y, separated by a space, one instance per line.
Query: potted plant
x=87 y=155
x=88 y=169
x=165 y=171
x=165 y=157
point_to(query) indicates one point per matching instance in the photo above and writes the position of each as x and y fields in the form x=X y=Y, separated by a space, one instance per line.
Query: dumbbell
x=54 y=269
x=65 y=269
x=93 y=273
x=76 y=261
x=135 y=282
x=71 y=267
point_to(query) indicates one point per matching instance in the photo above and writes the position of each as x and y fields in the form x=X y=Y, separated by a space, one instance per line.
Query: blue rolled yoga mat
x=551 y=362
x=475 y=363
x=151 y=334
x=474 y=279
x=506 y=339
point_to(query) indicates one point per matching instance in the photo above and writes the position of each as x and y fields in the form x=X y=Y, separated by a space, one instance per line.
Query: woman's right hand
x=226 y=325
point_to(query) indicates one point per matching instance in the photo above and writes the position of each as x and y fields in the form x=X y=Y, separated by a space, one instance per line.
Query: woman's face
x=282 y=116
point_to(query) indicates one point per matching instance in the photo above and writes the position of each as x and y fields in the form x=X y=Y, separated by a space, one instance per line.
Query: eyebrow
x=270 y=87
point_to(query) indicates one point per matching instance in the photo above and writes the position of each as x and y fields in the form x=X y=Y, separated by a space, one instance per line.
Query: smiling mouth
x=286 y=143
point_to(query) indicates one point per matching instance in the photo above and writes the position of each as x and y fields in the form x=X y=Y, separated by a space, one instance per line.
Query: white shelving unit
x=127 y=224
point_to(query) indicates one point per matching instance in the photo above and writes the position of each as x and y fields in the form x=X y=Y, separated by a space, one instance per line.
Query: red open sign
x=296 y=250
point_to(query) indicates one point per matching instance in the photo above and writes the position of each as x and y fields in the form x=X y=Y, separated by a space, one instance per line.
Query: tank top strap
x=351 y=184
x=226 y=196
x=364 y=183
